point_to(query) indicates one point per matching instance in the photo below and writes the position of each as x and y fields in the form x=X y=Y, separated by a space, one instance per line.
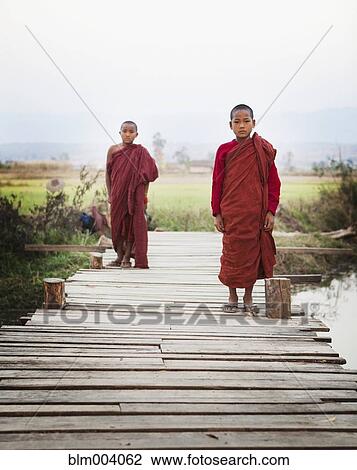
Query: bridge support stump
x=54 y=296
x=278 y=297
x=96 y=260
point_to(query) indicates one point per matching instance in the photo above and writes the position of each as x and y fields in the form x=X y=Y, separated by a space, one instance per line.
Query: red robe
x=218 y=177
x=248 y=250
x=129 y=169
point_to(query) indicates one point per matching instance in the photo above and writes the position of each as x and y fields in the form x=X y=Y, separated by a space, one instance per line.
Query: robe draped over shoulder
x=248 y=250
x=129 y=169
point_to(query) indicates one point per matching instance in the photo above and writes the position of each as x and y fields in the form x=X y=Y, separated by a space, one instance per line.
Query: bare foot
x=126 y=263
x=116 y=263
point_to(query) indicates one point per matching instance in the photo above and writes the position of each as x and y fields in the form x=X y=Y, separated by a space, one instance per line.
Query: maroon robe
x=129 y=169
x=248 y=250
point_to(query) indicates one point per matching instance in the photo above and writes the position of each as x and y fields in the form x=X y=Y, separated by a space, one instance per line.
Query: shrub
x=58 y=219
x=15 y=229
x=334 y=208
x=337 y=208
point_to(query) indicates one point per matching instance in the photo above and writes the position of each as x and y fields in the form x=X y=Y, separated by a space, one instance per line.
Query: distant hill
x=61 y=151
x=309 y=136
x=303 y=154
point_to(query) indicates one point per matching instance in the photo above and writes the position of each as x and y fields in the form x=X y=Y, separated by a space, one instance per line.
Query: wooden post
x=278 y=297
x=96 y=260
x=53 y=293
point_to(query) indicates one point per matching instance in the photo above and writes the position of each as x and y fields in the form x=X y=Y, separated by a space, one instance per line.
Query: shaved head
x=130 y=123
x=242 y=107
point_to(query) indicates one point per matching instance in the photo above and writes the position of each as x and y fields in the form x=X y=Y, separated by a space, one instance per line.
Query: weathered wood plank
x=135 y=319
x=155 y=338
x=153 y=363
x=172 y=375
x=173 y=396
x=73 y=353
x=72 y=248
x=144 y=423
x=177 y=408
x=179 y=382
x=182 y=440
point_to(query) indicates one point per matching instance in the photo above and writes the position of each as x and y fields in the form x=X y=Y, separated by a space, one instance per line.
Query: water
x=335 y=303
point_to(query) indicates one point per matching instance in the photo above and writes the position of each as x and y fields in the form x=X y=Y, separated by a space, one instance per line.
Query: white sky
x=183 y=64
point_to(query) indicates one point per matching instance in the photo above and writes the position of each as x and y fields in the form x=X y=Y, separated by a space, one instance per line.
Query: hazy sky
x=177 y=66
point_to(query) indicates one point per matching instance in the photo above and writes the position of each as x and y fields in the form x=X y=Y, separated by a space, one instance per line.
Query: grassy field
x=174 y=192
x=195 y=192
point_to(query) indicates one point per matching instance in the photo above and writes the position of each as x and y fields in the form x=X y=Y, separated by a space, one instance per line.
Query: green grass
x=21 y=278
x=197 y=195
x=177 y=205
x=33 y=191
x=179 y=196
x=176 y=193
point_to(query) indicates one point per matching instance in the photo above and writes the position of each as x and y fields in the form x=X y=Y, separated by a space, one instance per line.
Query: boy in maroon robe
x=245 y=196
x=129 y=170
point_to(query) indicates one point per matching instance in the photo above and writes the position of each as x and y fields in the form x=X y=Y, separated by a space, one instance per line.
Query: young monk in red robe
x=245 y=196
x=129 y=170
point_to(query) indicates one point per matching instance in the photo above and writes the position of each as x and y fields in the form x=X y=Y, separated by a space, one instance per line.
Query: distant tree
x=182 y=158
x=158 y=147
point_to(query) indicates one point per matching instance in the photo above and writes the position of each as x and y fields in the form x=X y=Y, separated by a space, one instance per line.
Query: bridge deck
x=147 y=359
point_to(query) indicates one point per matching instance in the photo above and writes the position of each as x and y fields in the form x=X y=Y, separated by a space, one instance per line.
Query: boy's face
x=128 y=133
x=242 y=124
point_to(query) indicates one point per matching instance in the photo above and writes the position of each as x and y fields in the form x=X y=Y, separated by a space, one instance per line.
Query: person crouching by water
x=245 y=196
x=129 y=170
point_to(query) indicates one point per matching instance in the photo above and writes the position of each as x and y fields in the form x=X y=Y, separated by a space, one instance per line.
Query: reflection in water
x=335 y=303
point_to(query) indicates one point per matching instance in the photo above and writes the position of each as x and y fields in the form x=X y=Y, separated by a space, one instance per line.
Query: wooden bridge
x=144 y=359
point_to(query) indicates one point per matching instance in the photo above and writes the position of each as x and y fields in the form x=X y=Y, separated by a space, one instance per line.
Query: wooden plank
x=262 y=347
x=198 y=423
x=295 y=334
x=171 y=312
x=315 y=250
x=234 y=408
x=245 y=327
x=154 y=363
x=71 y=248
x=177 y=408
x=182 y=279
x=172 y=375
x=89 y=343
x=270 y=357
x=117 y=320
x=177 y=383
x=303 y=278
x=275 y=347
x=259 y=365
x=296 y=341
x=155 y=337
x=173 y=396
x=86 y=275
x=182 y=440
